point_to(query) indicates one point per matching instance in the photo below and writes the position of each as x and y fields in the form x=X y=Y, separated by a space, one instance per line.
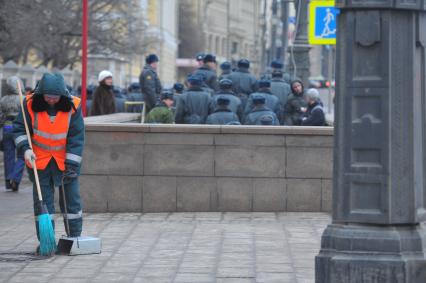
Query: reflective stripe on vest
x=50 y=135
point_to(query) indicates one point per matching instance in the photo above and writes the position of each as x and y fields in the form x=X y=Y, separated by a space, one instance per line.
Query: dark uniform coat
x=223 y=117
x=150 y=87
x=209 y=75
x=234 y=103
x=255 y=116
x=193 y=106
x=243 y=83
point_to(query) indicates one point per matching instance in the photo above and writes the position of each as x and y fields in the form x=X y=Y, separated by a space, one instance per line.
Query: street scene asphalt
x=165 y=247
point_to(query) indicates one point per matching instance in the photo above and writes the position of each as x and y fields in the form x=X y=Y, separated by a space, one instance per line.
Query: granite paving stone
x=228 y=247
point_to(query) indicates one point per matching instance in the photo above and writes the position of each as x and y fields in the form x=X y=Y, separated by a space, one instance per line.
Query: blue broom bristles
x=47 y=235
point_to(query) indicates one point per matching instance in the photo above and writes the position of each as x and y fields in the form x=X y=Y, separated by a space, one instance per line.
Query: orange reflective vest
x=49 y=137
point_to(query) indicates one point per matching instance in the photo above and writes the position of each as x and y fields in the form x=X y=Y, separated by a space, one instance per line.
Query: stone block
x=196 y=194
x=125 y=194
x=117 y=159
x=94 y=192
x=113 y=137
x=178 y=160
x=309 y=141
x=304 y=195
x=235 y=194
x=178 y=138
x=159 y=194
x=255 y=140
x=250 y=161
x=269 y=194
x=327 y=195
x=309 y=162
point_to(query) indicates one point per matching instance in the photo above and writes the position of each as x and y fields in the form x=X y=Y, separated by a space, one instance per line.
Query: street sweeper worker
x=56 y=127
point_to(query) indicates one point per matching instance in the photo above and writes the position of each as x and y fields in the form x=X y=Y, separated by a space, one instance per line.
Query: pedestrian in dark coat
x=272 y=102
x=295 y=106
x=103 y=98
x=194 y=105
x=243 y=82
x=208 y=70
x=234 y=105
x=314 y=115
x=223 y=115
x=9 y=110
x=149 y=82
x=281 y=90
x=260 y=114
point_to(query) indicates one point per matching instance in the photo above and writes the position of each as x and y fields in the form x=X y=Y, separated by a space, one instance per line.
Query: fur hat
x=103 y=75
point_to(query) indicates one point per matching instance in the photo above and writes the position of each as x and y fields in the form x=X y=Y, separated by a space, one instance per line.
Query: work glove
x=70 y=174
x=29 y=156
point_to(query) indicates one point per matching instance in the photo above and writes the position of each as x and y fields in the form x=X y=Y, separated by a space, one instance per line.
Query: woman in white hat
x=103 y=97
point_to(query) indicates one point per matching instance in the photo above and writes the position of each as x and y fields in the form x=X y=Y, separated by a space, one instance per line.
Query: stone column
x=379 y=194
x=301 y=47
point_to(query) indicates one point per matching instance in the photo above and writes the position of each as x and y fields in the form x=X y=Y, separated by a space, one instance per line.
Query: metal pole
x=85 y=31
x=330 y=77
x=263 y=50
x=284 y=35
x=228 y=26
x=274 y=22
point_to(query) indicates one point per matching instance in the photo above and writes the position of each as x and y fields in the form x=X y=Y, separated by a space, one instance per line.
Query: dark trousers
x=48 y=178
x=13 y=165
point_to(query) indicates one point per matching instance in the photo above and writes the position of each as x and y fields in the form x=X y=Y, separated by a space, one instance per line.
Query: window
x=234 y=48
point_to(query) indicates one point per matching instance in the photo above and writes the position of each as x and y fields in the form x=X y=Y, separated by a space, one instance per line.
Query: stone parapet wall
x=167 y=168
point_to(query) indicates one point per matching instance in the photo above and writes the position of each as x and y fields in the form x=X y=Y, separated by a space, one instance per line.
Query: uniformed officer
x=57 y=133
x=272 y=102
x=225 y=67
x=208 y=70
x=234 y=105
x=162 y=113
x=223 y=115
x=149 y=82
x=194 y=105
x=243 y=82
x=261 y=114
x=199 y=58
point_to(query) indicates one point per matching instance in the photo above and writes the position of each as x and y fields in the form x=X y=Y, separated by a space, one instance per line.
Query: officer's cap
x=225 y=84
x=166 y=94
x=263 y=83
x=195 y=79
x=259 y=99
x=200 y=56
x=209 y=58
x=225 y=66
x=244 y=63
x=178 y=87
x=151 y=58
x=277 y=64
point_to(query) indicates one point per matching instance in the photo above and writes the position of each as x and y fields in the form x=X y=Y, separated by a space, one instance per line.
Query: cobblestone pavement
x=167 y=247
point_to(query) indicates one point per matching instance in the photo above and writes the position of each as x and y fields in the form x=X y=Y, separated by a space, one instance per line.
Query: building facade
x=229 y=29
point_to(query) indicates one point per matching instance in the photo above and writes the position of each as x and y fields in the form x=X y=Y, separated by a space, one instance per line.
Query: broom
x=45 y=227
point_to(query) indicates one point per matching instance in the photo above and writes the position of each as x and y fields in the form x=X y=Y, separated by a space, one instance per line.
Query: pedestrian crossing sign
x=322 y=22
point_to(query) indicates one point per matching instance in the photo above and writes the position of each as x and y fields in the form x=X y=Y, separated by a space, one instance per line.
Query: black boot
x=14 y=186
x=8 y=185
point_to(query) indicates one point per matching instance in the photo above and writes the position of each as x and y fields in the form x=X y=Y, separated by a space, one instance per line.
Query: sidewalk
x=177 y=247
